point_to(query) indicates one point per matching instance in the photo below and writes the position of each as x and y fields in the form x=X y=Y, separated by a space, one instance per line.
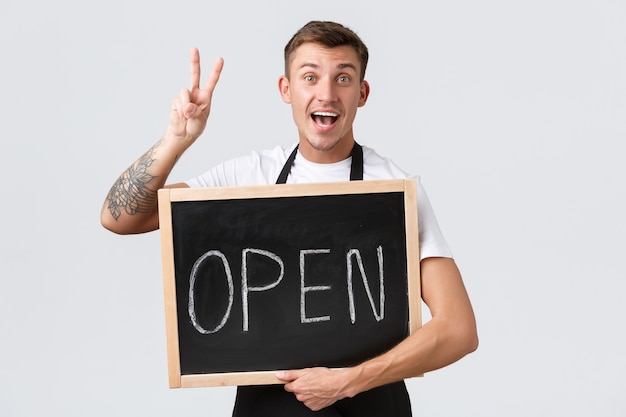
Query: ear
x=283 y=87
x=365 y=92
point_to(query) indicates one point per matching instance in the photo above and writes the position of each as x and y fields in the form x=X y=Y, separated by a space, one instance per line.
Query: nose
x=326 y=90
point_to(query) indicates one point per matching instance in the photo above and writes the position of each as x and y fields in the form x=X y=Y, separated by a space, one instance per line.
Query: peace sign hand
x=190 y=110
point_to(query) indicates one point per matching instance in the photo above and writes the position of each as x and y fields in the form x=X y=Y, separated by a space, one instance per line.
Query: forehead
x=317 y=55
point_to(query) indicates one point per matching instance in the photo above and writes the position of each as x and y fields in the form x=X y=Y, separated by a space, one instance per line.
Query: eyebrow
x=340 y=66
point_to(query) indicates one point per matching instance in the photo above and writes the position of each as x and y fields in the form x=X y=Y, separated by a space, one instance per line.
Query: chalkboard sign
x=263 y=278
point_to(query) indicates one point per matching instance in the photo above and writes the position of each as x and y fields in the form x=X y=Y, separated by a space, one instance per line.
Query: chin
x=322 y=145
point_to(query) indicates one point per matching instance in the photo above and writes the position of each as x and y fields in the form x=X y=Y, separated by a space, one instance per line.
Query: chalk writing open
x=304 y=289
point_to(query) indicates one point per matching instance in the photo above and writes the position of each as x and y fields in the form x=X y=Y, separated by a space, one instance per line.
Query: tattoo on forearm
x=131 y=193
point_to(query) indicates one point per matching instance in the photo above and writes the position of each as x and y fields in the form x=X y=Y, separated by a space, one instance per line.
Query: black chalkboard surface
x=288 y=276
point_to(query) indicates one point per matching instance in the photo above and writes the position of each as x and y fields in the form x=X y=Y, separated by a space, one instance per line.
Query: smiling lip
x=325 y=113
x=324 y=119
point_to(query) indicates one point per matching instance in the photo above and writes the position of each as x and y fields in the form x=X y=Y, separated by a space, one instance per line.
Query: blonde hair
x=329 y=34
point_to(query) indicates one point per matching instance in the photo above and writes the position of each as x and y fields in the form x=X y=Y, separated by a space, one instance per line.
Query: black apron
x=273 y=401
x=356 y=169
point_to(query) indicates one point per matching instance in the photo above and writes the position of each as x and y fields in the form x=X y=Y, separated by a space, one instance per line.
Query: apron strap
x=356 y=169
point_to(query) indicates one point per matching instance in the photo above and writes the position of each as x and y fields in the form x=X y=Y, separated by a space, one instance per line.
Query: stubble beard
x=323 y=145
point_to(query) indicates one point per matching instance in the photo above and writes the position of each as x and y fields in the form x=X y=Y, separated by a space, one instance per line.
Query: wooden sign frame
x=167 y=197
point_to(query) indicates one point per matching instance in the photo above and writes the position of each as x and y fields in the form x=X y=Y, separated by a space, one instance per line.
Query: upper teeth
x=324 y=113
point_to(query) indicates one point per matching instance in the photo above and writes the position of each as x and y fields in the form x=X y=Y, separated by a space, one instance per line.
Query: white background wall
x=513 y=113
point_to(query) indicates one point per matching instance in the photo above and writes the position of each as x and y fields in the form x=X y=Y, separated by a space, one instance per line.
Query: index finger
x=215 y=75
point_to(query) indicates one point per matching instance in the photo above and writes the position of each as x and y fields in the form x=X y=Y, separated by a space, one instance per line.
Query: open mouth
x=324 y=118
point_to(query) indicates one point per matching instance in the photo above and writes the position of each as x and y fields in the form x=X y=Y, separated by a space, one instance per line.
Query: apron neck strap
x=356 y=168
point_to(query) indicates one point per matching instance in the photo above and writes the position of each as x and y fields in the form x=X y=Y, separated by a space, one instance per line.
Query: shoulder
x=377 y=167
x=277 y=154
x=255 y=168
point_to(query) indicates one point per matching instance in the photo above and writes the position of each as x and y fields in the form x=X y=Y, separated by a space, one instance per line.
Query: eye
x=309 y=78
x=343 y=79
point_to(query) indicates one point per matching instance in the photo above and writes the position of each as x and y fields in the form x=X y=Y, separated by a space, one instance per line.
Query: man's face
x=324 y=91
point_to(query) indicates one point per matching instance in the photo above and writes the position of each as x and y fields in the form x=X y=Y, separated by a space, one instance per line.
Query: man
x=324 y=83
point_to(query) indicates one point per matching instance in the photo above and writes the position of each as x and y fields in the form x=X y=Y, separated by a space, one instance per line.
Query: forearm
x=131 y=204
x=437 y=344
x=446 y=338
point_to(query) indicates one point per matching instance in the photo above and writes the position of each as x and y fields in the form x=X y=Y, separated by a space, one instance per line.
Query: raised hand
x=190 y=110
x=131 y=205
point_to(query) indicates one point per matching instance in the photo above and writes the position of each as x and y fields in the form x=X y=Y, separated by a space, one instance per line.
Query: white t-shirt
x=263 y=168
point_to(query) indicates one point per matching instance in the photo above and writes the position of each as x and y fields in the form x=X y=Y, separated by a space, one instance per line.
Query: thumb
x=287 y=375
x=190 y=110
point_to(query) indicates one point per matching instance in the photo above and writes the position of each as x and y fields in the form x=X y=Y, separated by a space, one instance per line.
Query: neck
x=337 y=153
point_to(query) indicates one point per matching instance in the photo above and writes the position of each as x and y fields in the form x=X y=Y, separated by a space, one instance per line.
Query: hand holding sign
x=317 y=388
